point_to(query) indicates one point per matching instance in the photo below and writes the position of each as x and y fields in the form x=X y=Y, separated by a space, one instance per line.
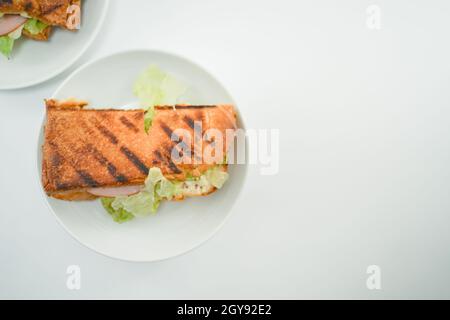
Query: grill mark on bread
x=55 y=160
x=128 y=124
x=176 y=138
x=28 y=6
x=84 y=176
x=170 y=134
x=102 y=129
x=98 y=155
x=183 y=145
x=134 y=159
x=167 y=159
x=205 y=137
x=52 y=8
x=139 y=116
x=112 y=169
x=189 y=121
x=87 y=178
x=159 y=160
x=108 y=134
x=159 y=155
x=172 y=166
x=200 y=115
x=105 y=116
x=87 y=128
x=167 y=130
x=63 y=186
x=198 y=138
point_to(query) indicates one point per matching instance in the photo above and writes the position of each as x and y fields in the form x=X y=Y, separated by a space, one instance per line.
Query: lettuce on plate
x=158 y=188
x=7 y=41
x=6 y=45
x=120 y=215
x=146 y=202
x=34 y=26
x=155 y=87
x=216 y=176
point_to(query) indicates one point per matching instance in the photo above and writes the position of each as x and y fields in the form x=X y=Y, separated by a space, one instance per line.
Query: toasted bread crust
x=71 y=103
x=89 y=148
x=75 y=195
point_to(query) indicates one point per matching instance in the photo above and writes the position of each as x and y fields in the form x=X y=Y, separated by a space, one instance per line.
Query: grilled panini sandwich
x=89 y=153
x=35 y=19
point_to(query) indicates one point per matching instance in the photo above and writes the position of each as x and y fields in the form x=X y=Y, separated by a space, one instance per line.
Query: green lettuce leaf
x=139 y=205
x=120 y=215
x=146 y=202
x=154 y=87
x=6 y=45
x=35 y=26
x=216 y=176
x=154 y=176
x=148 y=118
x=158 y=188
x=7 y=41
x=168 y=190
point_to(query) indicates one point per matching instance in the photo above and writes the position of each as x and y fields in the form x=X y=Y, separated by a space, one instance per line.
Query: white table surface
x=364 y=179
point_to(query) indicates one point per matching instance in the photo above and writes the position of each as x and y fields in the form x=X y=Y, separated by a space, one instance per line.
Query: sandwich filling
x=12 y=26
x=192 y=186
x=158 y=188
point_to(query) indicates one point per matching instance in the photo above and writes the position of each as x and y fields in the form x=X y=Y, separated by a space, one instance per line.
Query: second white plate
x=33 y=62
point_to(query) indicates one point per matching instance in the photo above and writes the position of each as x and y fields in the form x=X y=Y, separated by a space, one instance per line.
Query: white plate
x=33 y=62
x=178 y=226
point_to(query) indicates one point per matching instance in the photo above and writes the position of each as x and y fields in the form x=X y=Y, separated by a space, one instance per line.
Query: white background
x=364 y=155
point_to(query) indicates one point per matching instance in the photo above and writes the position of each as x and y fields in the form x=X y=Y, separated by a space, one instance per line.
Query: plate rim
x=38 y=177
x=87 y=45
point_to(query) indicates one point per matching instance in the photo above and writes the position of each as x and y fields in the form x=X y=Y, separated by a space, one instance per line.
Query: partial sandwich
x=35 y=19
x=91 y=153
